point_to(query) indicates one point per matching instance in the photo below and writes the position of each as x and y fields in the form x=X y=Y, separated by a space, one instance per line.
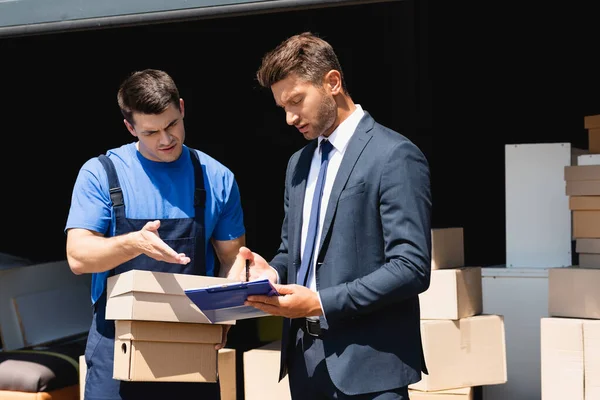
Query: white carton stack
x=570 y=336
x=463 y=348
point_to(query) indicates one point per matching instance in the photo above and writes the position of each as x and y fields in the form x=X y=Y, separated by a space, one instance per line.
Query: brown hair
x=150 y=91
x=305 y=55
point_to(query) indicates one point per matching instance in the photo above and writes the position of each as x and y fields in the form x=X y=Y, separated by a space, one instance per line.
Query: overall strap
x=116 y=194
x=199 y=193
x=199 y=206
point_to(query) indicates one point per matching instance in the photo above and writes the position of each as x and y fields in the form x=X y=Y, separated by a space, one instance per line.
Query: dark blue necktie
x=313 y=222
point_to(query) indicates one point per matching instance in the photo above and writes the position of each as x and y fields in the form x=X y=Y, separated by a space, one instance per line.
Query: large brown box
x=156 y=296
x=452 y=294
x=166 y=351
x=226 y=368
x=570 y=366
x=574 y=292
x=447 y=248
x=467 y=352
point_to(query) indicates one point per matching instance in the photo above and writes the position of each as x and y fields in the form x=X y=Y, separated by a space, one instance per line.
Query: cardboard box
x=166 y=351
x=586 y=224
x=594 y=140
x=156 y=296
x=463 y=353
x=587 y=245
x=589 y=260
x=452 y=294
x=582 y=172
x=447 y=248
x=453 y=394
x=227 y=373
x=591 y=121
x=582 y=188
x=584 y=202
x=570 y=366
x=573 y=292
x=261 y=374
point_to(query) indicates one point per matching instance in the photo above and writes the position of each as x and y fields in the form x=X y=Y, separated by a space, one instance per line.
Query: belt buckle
x=309 y=330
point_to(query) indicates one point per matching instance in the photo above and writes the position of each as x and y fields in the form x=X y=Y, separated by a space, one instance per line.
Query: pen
x=247 y=270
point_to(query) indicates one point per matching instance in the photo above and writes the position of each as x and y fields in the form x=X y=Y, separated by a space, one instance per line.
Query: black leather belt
x=312 y=327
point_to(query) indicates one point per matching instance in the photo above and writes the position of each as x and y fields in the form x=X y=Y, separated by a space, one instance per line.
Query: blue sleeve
x=230 y=224
x=90 y=202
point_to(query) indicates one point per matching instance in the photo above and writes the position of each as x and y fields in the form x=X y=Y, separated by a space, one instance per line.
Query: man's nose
x=291 y=118
x=165 y=137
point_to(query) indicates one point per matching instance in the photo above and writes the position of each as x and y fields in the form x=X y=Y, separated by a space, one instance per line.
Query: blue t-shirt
x=156 y=190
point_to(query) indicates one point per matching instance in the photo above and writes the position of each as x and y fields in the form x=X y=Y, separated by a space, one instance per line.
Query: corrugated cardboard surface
x=463 y=353
x=166 y=351
x=589 y=260
x=584 y=202
x=452 y=294
x=261 y=374
x=569 y=358
x=591 y=121
x=453 y=394
x=586 y=224
x=574 y=292
x=227 y=374
x=156 y=296
x=447 y=248
x=582 y=173
x=588 y=245
x=594 y=140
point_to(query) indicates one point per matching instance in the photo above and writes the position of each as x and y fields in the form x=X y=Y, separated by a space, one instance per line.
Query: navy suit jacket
x=374 y=258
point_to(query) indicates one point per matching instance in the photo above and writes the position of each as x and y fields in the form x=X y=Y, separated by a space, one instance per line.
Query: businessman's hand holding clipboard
x=229 y=295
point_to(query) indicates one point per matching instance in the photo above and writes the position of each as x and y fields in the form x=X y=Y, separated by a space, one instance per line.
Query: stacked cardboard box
x=570 y=335
x=463 y=348
x=592 y=155
x=160 y=334
x=583 y=189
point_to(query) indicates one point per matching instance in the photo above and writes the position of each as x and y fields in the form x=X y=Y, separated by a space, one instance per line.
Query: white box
x=538 y=219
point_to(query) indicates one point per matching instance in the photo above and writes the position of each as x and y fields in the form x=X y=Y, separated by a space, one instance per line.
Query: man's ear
x=130 y=128
x=333 y=81
x=181 y=108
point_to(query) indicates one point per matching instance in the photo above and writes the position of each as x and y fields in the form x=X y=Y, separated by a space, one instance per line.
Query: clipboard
x=226 y=302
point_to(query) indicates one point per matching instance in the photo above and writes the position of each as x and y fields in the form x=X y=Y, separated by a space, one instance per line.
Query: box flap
x=173 y=332
x=158 y=282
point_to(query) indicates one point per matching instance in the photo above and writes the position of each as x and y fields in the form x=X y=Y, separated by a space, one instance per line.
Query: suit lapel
x=356 y=145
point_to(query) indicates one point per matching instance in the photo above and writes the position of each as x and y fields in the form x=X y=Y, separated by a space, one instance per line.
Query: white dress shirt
x=339 y=138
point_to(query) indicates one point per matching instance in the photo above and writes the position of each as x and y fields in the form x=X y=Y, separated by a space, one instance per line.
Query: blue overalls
x=184 y=235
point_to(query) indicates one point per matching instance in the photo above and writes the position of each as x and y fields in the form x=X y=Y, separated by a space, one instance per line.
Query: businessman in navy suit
x=351 y=326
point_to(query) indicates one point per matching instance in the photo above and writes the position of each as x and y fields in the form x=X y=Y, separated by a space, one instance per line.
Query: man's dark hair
x=305 y=55
x=150 y=91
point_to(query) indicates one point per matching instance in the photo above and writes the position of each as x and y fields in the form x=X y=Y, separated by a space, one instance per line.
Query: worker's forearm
x=98 y=254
